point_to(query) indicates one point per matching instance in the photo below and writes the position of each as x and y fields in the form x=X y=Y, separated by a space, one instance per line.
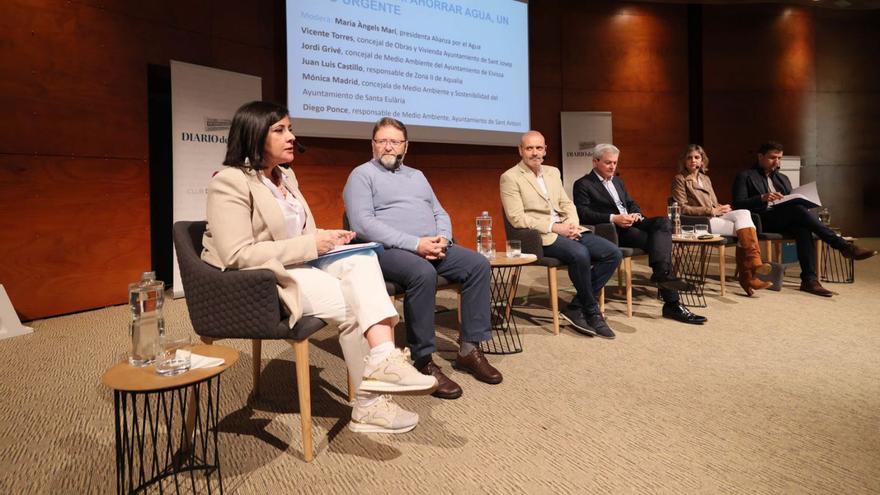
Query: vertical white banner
x=203 y=101
x=581 y=131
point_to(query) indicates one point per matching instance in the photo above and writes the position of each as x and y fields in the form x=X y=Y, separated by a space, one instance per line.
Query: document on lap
x=806 y=195
x=347 y=249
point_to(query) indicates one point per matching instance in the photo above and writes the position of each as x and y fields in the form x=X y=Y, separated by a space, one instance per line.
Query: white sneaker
x=395 y=374
x=383 y=416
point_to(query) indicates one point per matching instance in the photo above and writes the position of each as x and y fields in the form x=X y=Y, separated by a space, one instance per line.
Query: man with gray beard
x=393 y=204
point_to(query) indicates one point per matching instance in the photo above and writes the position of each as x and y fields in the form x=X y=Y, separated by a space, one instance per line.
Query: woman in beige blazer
x=257 y=218
x=692 y=190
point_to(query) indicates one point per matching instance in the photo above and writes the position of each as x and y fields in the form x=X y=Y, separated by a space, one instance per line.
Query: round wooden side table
x=166 y=426
x=690 y=261
x=505 y=279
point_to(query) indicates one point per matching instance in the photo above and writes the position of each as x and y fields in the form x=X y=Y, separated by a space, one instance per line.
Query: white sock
x=366 y=399
x=380 y=352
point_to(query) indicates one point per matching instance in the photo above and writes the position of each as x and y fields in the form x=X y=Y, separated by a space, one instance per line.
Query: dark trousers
x=801 y=224
x=654 y=235
x=591 y=262
x=418 y=277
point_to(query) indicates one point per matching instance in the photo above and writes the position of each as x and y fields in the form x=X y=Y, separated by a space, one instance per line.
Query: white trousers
x=350 y=292
x=731 y=221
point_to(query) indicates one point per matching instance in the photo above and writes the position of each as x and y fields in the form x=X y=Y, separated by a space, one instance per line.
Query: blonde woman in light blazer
x=258 y=218
x=692 y=190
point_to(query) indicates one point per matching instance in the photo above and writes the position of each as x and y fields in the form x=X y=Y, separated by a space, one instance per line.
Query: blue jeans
x=591 y=262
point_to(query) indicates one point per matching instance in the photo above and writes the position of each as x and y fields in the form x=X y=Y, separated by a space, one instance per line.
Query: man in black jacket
x=756 y=188
x=601 y=197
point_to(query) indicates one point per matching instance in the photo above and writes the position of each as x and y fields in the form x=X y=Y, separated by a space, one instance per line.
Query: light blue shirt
x=393 y=208
x=609 y=186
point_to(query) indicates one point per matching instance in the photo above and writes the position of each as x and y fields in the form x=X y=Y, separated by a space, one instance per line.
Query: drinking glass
x=175 y=355
x=489 y=250
x=701 y=229
x=825 y=216
x=687 y=231
x=514 y=249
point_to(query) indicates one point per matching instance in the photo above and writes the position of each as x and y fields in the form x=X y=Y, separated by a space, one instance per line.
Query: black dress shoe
x=578 y=321
x=677 y=311
x=671 y=282
x=446 y=388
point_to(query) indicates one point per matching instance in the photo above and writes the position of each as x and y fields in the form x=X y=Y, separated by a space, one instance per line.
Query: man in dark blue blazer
x=754 y=189
x=601 y=197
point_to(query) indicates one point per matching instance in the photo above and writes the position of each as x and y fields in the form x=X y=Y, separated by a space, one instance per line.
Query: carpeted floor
x=776 y=394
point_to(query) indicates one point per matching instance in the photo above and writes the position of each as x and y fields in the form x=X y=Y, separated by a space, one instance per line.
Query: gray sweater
x=393 y=208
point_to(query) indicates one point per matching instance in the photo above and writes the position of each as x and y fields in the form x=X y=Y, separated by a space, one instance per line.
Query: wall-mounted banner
x=203 y=101
x=581 y=131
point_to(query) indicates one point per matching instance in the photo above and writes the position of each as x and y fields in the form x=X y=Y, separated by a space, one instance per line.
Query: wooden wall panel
x=757 y=90
x=75 y=231
x=848 y=120
x=74 y=179
x=803 y=78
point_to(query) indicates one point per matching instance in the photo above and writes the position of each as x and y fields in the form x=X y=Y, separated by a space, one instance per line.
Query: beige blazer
x=527 y=207
x=246 y=230
x=693 y=199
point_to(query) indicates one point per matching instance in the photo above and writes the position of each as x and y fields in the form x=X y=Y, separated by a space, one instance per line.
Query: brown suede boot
x=748 y=261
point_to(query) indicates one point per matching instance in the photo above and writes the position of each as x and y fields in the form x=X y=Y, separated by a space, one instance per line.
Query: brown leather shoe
x=476 y=364
x=854 y=252
x=446 y=388
x=814 y=287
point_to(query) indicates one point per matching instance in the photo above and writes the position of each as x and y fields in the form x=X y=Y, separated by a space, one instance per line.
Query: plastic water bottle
x=484 y=234
x=145 y=299
x=674 y=212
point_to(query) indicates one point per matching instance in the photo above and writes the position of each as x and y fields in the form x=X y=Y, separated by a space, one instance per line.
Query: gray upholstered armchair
x=243 y=304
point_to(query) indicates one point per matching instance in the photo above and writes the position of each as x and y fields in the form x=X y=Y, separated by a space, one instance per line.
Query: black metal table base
x=690 y=261
x=836 y=268
x=153 y=450
x=505 y=336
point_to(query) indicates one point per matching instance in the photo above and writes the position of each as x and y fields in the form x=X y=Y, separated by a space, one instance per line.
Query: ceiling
x=828 y=4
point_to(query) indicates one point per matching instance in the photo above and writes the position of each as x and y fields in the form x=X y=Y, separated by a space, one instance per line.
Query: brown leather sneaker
x=446 y=388
x=814 y=287
x=854 y=252
x=476 y=364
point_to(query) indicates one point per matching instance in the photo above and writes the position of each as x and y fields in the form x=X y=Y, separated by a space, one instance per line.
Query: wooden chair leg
x=819 y=259
x=620 y=287
x=602 y=300
x=303 y=388
x=511 y=295
x=722 y=266
x=351 y=390
x=768 y=250
x=191 y=402
x=627 y=267
x=554 y=297
x=257 y=352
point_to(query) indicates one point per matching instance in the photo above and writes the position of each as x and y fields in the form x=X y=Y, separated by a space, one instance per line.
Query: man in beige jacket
x=533 y=198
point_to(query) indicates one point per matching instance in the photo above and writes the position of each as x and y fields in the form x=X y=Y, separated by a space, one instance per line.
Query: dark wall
x=74 y=152
x=804 y=77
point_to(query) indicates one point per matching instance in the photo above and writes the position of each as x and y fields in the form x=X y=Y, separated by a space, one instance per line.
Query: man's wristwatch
x=448 y=242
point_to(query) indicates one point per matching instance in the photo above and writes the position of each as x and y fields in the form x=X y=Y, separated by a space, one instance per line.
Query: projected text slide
x=429 y=63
